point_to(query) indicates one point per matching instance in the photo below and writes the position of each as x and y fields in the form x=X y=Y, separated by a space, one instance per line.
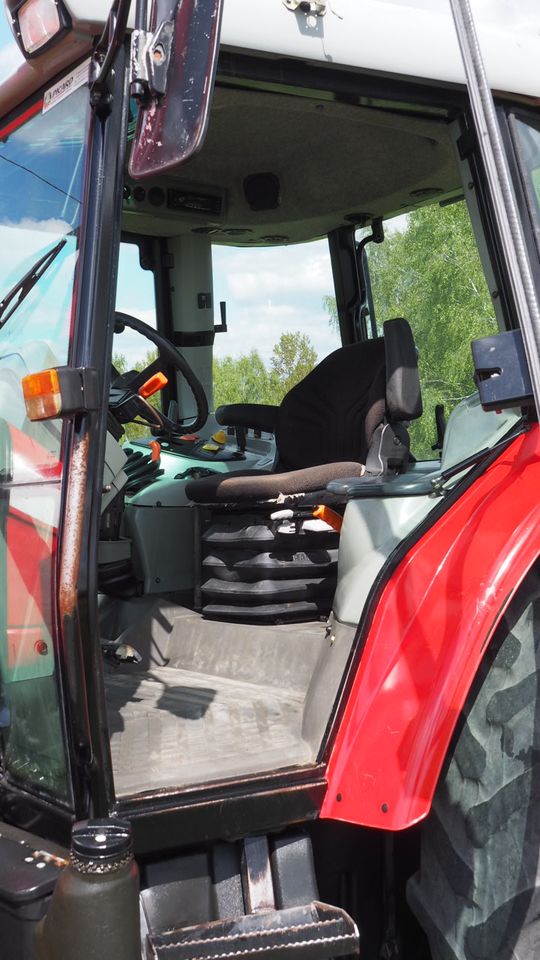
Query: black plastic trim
x=224 y=811
x=502 y=372
x=85 y=441
x=194 y=338
x=421 y=97
x=49 y=819
x=79 y=389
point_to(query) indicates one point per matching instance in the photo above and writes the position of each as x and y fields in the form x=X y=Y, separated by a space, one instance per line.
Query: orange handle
x=329 y=516
x=155 y=383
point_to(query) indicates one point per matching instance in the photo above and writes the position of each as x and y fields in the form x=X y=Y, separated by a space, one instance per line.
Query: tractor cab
x=248 y=457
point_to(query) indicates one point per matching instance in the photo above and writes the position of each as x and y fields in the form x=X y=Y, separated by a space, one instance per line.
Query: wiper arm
x=23 y=286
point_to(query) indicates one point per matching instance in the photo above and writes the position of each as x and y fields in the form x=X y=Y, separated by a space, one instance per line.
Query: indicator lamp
x=38 y=24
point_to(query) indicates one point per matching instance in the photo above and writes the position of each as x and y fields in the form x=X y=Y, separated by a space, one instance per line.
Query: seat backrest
x=331 y=415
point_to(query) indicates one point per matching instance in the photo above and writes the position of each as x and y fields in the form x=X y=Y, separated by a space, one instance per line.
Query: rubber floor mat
x=170 y=727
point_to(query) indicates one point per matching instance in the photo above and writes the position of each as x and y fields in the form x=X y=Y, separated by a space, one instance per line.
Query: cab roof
x=406 y=38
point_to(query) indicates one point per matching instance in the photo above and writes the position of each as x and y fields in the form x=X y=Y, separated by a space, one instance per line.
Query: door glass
x=135 y=295
x=41 y=165
x=428 y=270
x=528 y=142
x=281 y=319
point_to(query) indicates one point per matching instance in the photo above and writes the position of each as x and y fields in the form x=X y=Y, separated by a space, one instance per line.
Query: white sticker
x=66 y=85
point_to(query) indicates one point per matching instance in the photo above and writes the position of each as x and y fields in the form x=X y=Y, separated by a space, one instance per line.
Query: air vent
x=193 y=202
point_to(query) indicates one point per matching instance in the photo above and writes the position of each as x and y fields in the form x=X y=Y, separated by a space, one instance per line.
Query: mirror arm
x=104 y=54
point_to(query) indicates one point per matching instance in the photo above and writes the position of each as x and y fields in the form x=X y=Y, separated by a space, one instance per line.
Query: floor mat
x=170 y=727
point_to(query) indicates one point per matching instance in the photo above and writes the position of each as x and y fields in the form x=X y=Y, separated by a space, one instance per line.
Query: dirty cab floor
x=169 y=725
x=210 y=700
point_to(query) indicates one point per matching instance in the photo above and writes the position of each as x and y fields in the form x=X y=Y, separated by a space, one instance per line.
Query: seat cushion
x=258 y=485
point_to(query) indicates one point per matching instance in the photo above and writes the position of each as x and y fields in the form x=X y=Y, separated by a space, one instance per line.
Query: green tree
x=329 y=304
x=243 y=379
x=431 y=274
x=292 y=359
x=246 y=379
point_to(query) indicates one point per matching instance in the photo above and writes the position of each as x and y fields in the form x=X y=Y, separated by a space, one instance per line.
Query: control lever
x=241 y=438
x=440 y=426
x=172 y=411
x=118 y=653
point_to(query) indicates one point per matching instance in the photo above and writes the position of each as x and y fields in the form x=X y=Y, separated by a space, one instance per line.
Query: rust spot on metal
x=72 y=529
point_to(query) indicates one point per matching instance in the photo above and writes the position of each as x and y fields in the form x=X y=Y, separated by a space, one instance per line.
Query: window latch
x=314 y=7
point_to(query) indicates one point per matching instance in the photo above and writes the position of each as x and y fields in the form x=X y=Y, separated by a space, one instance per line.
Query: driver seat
x=346 y=418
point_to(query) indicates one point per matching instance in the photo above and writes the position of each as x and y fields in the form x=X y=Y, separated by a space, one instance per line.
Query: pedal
x=120 y=652
x=312 y=932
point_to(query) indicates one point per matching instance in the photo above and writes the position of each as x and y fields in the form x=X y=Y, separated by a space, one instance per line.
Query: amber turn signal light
x=60 y=392
x=42 y=396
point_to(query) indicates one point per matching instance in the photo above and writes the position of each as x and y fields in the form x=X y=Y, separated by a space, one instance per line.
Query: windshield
x=42 y=158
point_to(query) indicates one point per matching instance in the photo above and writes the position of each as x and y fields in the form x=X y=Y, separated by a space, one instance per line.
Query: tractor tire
x=477 y=893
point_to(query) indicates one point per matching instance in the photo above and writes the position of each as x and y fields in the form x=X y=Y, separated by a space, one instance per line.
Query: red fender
x=431 y=626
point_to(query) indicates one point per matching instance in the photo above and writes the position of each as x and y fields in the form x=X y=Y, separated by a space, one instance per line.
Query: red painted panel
x=30 y=547
x=32 y=462
x=21 y=119
x=429 y=631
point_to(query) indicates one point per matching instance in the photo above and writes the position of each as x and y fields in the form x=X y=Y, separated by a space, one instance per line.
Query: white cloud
x=270 y=291
x=23 y=241
x=275 y=271
x=56 y=228
x=259 y=328
x=10 y=59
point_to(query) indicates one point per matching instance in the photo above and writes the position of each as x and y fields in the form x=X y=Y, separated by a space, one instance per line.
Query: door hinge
x=316 y=7
x=149 y=61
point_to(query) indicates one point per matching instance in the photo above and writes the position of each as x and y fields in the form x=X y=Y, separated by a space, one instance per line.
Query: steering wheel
x=124 y=400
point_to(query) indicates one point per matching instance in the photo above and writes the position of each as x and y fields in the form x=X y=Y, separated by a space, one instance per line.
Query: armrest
x=261 y=416
x=358 y=488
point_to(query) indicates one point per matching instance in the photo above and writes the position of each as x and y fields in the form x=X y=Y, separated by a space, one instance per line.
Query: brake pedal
x=120 y=652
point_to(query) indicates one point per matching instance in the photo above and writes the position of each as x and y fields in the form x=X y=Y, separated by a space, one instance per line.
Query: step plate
x=315 y=931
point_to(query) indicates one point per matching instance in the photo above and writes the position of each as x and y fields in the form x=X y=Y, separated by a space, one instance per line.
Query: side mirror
x=173 y=71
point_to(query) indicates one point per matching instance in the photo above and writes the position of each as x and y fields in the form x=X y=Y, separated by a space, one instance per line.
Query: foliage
x=246 y=379
x=292 y=359
x=329 y=304
x=133 y=431
x=431 y=274
x=243 y=379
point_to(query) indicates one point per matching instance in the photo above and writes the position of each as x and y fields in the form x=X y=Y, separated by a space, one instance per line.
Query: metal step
x=264 y=905
x=315 y=931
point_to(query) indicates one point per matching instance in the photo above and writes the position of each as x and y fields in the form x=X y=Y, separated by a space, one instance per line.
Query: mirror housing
x=173 y=71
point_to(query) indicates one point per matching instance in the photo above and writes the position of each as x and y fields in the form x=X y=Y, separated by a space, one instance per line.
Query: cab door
x=42 y=162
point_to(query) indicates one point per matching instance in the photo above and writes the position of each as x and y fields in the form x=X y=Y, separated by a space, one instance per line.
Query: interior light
x=42 y=395
x=39 y=22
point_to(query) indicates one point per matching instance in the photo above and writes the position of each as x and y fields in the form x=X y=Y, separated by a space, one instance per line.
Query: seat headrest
x=403 y=395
